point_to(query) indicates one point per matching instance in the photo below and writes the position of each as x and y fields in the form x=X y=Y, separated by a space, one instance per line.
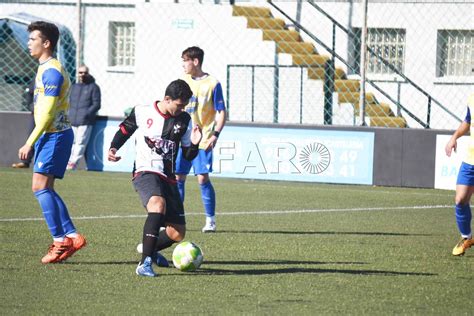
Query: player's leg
x=202 y=166
x=175 y=224
x=45 y=171
x=183 y=167
x=62 y=152
x=208 y=197
x=464 y=191
x=150 y=188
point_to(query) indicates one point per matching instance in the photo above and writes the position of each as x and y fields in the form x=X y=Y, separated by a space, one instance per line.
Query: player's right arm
x=462 y=130
x=52 y=80
x=126 y=129
x=45 y=119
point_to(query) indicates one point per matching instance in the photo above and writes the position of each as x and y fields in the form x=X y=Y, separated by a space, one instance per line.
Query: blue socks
x=208 y=198
x=55 y=213
x=463 y=219
x=181 y=190
x=207 y=193
x=66 y=221
x=48 y=204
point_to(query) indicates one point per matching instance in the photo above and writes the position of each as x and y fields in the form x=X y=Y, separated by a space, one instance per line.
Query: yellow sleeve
x=45 y=118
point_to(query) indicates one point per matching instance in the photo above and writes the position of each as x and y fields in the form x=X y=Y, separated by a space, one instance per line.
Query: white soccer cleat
x=210 y=227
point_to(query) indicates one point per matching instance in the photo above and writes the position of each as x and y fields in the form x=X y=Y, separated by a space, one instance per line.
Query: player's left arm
x=52 y=81
x=190 y=142
x=219 y=106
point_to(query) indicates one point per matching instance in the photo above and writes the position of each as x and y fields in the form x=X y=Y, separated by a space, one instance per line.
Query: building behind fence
x=292 y=62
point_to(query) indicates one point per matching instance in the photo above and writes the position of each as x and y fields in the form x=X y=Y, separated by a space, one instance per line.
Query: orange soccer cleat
x=462 y=246
x=56 y=250
x=78 y=242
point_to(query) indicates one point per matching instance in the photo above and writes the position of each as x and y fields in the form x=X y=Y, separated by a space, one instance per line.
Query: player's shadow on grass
x=285 y=262
x=296 y=270
x=128 y=262
x=288 y=232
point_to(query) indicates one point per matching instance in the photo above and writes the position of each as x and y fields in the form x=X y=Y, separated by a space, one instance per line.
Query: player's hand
x=24 y=152
x=450 y=146
x=111 y=155
x=211 y=143
x=196 y=135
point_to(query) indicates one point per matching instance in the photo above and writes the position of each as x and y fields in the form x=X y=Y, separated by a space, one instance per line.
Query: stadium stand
x=305 y=54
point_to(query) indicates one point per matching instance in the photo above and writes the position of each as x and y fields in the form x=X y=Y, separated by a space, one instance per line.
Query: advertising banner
x=265 y=153
x=446 y=168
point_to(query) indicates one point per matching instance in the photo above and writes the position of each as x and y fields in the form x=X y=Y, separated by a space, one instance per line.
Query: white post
x=363 y=63
x=79 y=37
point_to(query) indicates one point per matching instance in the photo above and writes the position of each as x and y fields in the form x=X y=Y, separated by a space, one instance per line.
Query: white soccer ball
x=140 y=248
x=187 y=256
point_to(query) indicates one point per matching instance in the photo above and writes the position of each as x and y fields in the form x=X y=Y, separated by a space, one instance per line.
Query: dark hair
x=194 y=52
x=179 y=90
x=49 y=32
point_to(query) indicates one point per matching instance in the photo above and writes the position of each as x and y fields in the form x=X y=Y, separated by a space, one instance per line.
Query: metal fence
x=297 y=62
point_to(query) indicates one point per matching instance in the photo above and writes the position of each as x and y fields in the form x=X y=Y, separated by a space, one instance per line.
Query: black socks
x=151 y=231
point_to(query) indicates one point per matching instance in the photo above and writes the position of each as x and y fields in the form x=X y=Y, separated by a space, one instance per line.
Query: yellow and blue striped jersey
x=470 y=151
x=50 y=99
x=207 y=99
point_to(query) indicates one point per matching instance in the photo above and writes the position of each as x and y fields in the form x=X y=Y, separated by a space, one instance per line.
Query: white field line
x=275 y=212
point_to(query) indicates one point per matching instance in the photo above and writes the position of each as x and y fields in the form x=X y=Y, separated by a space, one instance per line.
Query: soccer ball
x=187 y=256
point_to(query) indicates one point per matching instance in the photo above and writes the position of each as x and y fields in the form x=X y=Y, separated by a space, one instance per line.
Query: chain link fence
x=289 y=62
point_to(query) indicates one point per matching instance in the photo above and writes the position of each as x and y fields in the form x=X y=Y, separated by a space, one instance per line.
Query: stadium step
x=387 y=121
x=309 y=60
x=300 y=48
x=319 y=73
x=281 y=35
x=251 y=11
x=346 y=86
x=265 y=23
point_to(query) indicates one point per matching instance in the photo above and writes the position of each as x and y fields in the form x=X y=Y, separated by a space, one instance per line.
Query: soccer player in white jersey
x=464 y=183
x=52 y=138
x=160 y=129
x=207 y=110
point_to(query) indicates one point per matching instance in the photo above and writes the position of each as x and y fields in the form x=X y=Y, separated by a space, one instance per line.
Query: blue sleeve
x=468 y=116
x=52 y=82
x=219 y=104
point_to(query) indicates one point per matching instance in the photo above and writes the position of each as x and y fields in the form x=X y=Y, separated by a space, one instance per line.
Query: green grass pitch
x=281 y=249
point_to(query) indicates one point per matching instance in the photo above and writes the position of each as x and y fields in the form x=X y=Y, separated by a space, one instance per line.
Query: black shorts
x=149 y=184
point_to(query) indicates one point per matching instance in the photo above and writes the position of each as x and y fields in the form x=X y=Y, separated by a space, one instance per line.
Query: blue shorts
x=52 y=152
x=202 y=164
x=466 y=174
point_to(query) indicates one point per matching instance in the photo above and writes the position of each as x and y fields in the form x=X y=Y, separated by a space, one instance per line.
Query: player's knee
x=156 y=204
x=203 y=178
x=176 y=233
x=181 y=177
x=461 y=200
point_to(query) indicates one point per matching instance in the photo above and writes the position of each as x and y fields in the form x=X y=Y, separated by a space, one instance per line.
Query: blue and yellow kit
x=207 y=99
x=50 y=100
x=470 y=150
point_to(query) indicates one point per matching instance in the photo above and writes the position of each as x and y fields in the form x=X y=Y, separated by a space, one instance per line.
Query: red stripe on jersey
x=123 y=130
x=166 y=116
x=163 y=177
